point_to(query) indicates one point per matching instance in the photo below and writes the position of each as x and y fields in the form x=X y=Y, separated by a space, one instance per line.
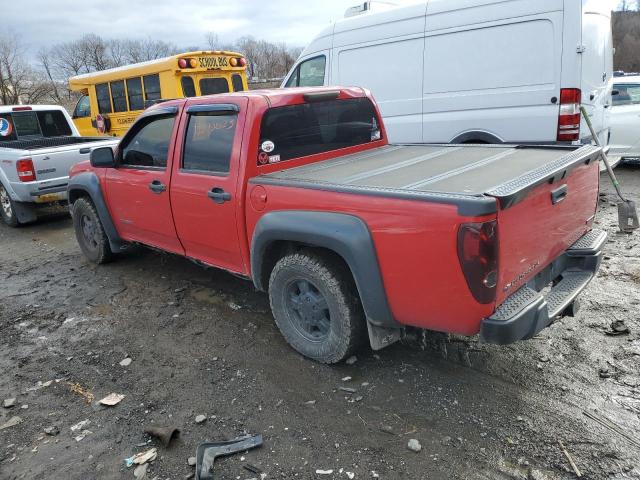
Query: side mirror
x=102 y=158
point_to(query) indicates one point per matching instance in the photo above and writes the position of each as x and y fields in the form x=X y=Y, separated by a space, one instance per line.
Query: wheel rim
x=309 y=310
x=5 y=202
x=89 y=232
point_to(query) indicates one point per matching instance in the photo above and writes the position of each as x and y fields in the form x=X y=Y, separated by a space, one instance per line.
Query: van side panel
x=492 y=67
x=597 y=66
x=385 y=57
x=398 y=92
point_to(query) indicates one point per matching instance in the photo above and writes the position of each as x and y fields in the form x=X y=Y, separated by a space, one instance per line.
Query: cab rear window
x=299 y=130
x=44 y=123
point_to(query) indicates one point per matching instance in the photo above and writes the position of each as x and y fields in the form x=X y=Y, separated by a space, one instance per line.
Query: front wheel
x=93 y=242
x=7 y=209
x=315 y=305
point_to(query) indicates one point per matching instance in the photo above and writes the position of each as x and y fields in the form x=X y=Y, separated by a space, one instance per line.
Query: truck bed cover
x=469 y=176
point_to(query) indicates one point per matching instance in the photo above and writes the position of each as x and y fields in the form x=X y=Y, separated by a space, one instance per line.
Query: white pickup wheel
x=7 y=210
x=315 y=305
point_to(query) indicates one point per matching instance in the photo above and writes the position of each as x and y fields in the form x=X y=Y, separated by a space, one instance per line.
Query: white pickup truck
x=38 y=146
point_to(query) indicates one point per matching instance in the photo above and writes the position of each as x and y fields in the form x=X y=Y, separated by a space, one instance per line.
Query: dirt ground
x=203 y=342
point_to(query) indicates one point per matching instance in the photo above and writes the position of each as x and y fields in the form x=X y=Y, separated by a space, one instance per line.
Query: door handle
x=218 y=195
x=84 y=151
x=559 y=194
x=157 y=186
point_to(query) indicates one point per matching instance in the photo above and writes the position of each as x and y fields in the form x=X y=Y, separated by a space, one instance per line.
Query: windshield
x=300 y=130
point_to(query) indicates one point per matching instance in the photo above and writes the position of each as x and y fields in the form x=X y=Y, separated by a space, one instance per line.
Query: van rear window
x=300 y=130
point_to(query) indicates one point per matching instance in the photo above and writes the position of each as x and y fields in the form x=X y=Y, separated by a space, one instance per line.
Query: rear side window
x=118 y=96
x=53 y=123
x=627 y=94
x=209 y=142
x=152 y=87
x=188 y=87
x=7 y=130
x=301 y=130
x=104 y=99
x=211 y=86
x=26 y=124
x=236 y=80
x=134 y=92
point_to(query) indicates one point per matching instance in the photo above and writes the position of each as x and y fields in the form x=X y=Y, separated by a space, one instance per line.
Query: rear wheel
x=7 y=210
x=315 y=306
x=89 y=232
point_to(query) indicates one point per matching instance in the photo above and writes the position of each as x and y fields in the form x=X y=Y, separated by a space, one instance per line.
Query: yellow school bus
x=112 y=99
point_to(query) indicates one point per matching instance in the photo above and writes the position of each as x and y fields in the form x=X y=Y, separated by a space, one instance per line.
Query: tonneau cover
x=470 y=176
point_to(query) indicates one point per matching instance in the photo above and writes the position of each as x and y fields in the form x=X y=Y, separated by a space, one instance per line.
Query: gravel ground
x=202 y=342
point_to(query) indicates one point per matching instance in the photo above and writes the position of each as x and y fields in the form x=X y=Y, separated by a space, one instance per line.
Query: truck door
x=205 y=184
x=138 y=188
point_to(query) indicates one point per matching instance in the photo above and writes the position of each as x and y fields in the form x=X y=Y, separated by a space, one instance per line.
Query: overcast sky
x=184 y=22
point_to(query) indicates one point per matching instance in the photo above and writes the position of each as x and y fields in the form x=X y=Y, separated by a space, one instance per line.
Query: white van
x=467 y=71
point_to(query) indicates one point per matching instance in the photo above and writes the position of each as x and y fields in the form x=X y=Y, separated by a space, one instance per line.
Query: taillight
x=26 y=172
x=478 y=255
x=569 y=118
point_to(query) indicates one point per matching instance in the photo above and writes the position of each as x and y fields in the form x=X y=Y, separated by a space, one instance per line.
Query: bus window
x=83 y=108
x=152 y=87
x=236 y=80
x=188 y=87
x=104 y=99
x=118 y=96
x=134 y=92
x=210 y=86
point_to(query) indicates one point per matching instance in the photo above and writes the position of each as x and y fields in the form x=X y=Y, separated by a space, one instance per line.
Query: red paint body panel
x=534 y=232
x=416 y=246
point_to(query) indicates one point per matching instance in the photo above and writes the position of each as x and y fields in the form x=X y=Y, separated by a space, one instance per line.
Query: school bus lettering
x=125 y=121
x=213 y=62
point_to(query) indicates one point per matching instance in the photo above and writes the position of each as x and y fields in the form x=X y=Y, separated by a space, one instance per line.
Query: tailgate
x=542 y=214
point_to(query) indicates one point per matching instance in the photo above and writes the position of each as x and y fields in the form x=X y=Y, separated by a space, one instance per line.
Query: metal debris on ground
x=83 y=392
x=206 y=453
x=112 y=399
x=164 y=434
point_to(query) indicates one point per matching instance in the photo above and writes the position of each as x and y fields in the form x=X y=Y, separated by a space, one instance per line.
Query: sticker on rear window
x=274 y=158
x=268 y=146
x=5 y=127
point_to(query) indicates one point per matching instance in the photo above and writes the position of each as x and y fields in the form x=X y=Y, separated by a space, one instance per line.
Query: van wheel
x=315 y=305
x=89 y=232
x=7 y=210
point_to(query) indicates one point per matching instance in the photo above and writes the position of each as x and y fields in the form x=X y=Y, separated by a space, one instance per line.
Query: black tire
x=316 y=307
x=7 y=208
x=89 y=232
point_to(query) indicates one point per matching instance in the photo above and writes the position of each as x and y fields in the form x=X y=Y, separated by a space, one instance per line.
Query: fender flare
x=476 y=135
x=345 y=235
x=87 y=183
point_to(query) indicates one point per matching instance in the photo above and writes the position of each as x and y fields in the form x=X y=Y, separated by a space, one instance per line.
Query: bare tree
x=19 y=82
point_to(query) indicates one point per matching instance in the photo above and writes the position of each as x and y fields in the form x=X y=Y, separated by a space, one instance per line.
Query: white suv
x=625 y=119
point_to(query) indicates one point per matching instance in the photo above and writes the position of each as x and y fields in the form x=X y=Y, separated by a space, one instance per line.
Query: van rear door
x=597 y=67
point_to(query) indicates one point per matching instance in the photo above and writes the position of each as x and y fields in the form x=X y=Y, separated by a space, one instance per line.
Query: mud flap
x=25 y=213
x=381 y=337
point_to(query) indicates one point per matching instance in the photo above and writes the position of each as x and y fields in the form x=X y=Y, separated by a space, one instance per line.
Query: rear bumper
x=532 y=308
x=45 y=191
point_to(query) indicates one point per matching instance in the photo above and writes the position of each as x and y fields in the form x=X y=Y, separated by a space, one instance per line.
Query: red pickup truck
x=353 y=238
